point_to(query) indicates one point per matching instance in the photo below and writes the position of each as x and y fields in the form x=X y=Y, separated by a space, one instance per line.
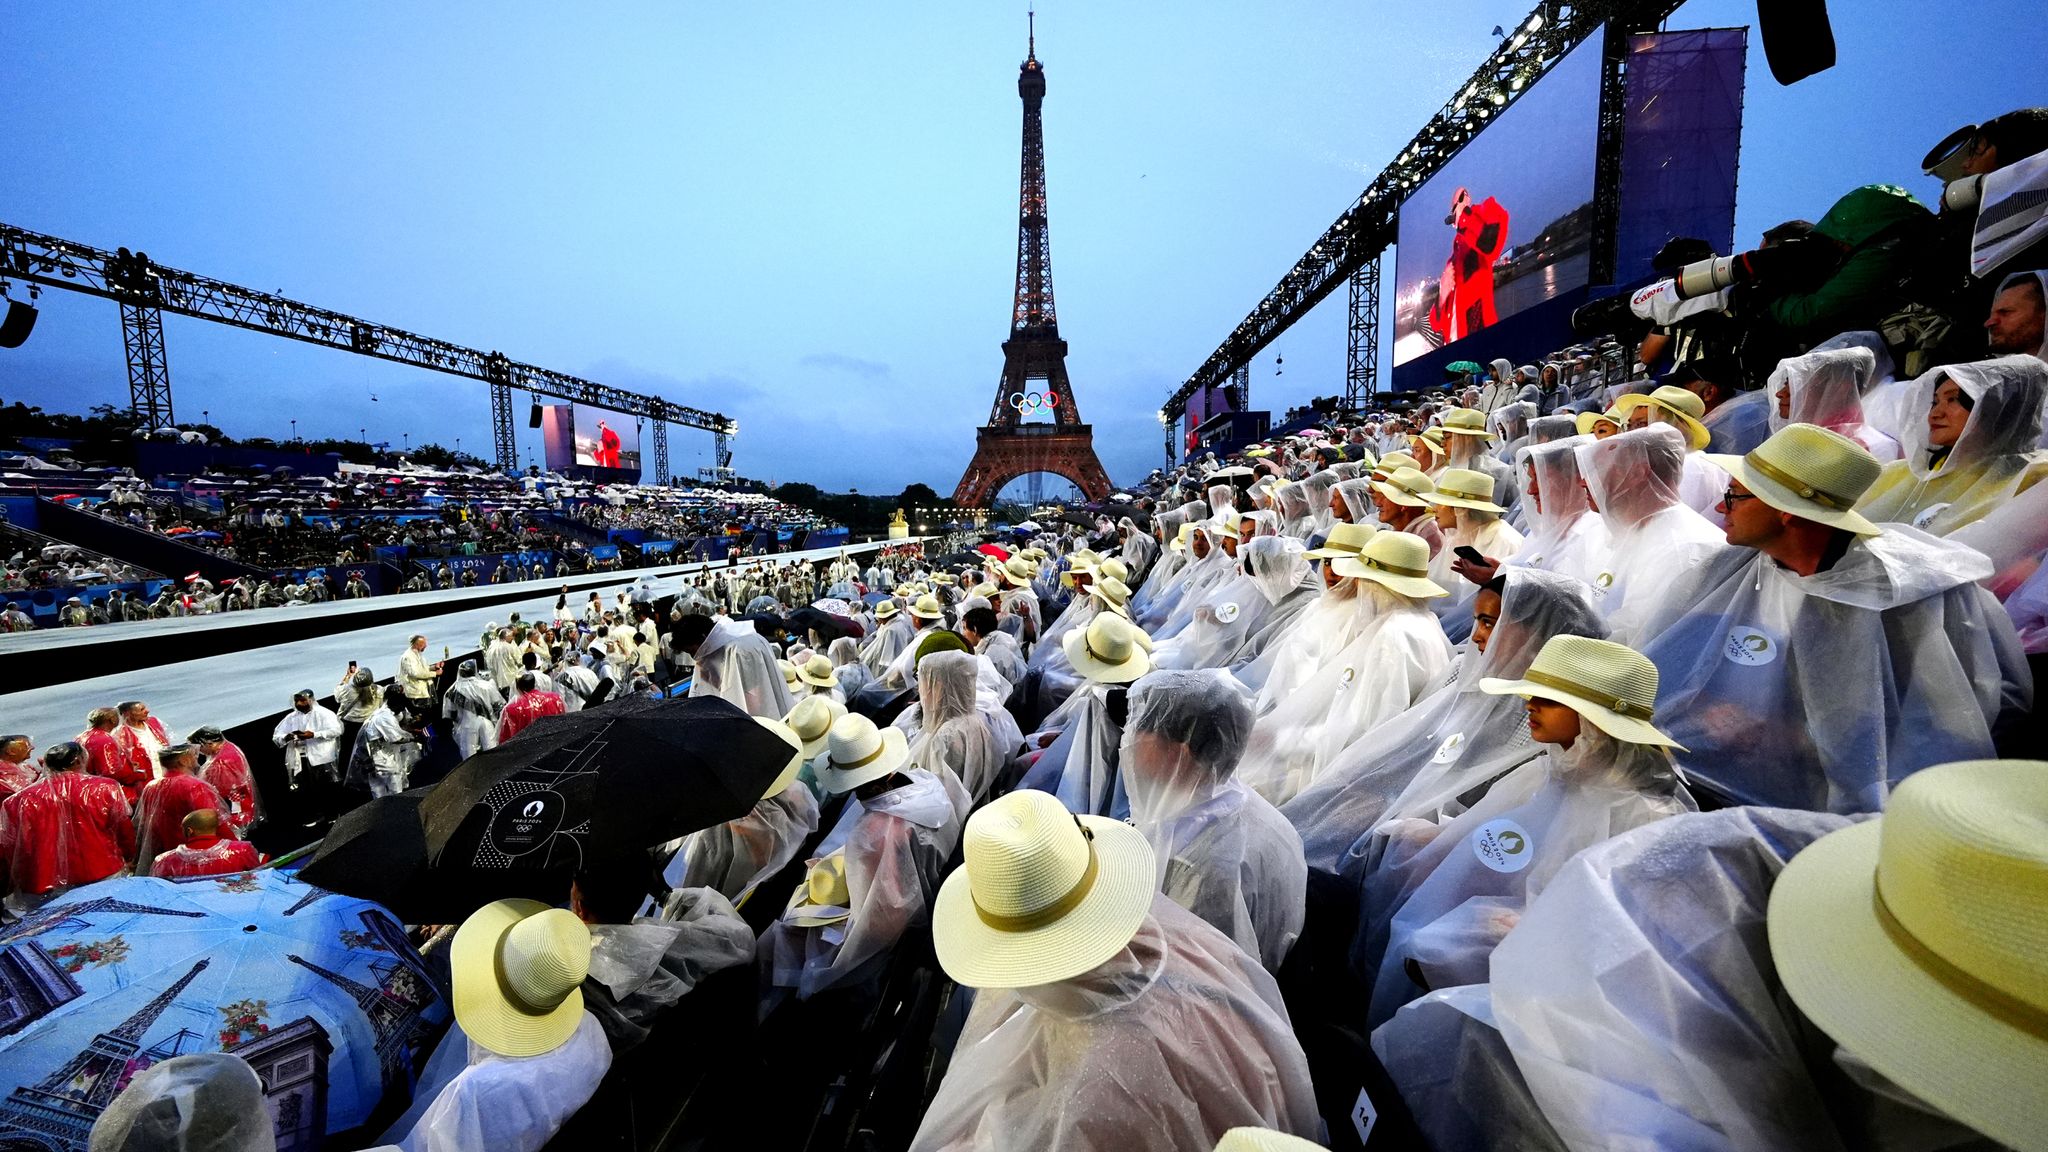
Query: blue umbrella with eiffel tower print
x=321 y=994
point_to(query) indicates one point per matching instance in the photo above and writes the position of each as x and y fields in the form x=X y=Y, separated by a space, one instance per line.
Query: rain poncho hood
x=738 y=665
x=1565 y=534
x=1452 y=742
x=1320 y=631
x=954 y=736
x=1635 y=480
x=1233 y=623
x=1826 y=389
x=1222 y=852
x=1167 y=1045
x=1994 y=458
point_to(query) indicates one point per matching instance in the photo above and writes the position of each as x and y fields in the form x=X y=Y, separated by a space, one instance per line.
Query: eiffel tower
x=1034 y=357
x=58 y=1113
x=393 y=1007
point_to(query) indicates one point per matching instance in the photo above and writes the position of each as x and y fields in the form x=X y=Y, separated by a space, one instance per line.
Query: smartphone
x=351 y=665
x=1469 y=554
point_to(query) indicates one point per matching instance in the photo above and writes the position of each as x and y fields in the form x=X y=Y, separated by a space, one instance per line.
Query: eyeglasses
x=1731 y=496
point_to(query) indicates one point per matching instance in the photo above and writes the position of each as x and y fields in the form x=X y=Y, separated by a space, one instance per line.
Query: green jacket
x=1863 y=289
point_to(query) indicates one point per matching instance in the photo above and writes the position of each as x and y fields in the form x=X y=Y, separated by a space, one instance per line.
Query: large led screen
x=606 y=439
x=1508 y=223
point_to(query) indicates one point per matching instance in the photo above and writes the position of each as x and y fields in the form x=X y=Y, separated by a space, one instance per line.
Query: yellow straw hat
x=1918 y=941
x=1018 y=572
x=787 y=776
x=1612 y=686
x=788 y=671
x=1397 y=560
x=1114 y=569
x=1106 y=651
x=1114 y=594
x=857 y=753
x=1345 y=539
x=822 y=899
x=1675 y=401
x=1406 y=486
x=1264 y=1140
x=1391 y=461
x=1466 y=422
x=817 y=672
x=1464 y=488
x=927 y=608
x=1179 y=543
x=1044 y=895
x=811 y=720
x=886 y=609
x=518 y=969
x=1813 y=473
x=1588 y=421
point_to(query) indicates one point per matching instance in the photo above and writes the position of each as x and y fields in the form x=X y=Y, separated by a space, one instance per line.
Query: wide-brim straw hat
x=788 y=670
x=787 y=776
x=822 y=899
x=817 y=672
x=886 y=609
x=1018 y=572
x=1464 y=488
x=1398 y=560
x=1345 y=539
x=1044 y=895
x=518 y=969
x=1113 y=569
x=1405 y=486
x=1114 y=594
x=1466 y=422
x=1391 y=461
x=1611 y=686
x=857 y=752
x=1918 y=941
x=927 y=608
x=1812 y=472
x=1676 y=401
x=1105 y=651
x=1264 y=1140
x=811 y=720
x=1588 y=421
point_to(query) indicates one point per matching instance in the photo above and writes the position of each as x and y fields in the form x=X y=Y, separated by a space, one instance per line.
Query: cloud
x=716 y=391
x=836 y=362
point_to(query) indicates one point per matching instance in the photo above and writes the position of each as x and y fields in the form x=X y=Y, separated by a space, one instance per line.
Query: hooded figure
x=1138 y=550
x=847 y=668
x=1167 y=1036
x=738 y=665
x=1826 y=389
x=1633 y=479
x=1565 y=534
x=1234 y=624
x=472 y=707
x=890 y=638
x=1315 y=634
x=733 y=857
x=1221 y=851
x=1398 y=655
x=1351 y=502
x=643 y=968
x=1427 y=761
x=1290 y=503
x=1438 y=897
x=1970 y=448
x=1208 y=564
x=954 y=738
x=1315 y=489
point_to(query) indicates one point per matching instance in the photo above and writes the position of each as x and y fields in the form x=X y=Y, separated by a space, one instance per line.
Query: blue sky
x=802 y=214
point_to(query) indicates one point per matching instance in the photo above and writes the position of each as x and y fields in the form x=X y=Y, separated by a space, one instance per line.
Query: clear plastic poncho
x=1737 y=425
x=1470 y=452
x=898 y=844
x=1170 y=611
x=1164 y=1047
x=1457 y=1078
x=954 y=736
x=1398 y=655
x=1222 y=852
x=887 y=644
x=1356 y=496
x=736 y=664
x=731 y=858
x=1222 y=500
x=1565 y=535
x=646 y=967
x=1453 y=742
x=1315 y=491
x=1001 y=650
x=1655 y=539
x=1318 y=633
x=1826 y=389
x=1993 y=459
x=1235 y=623
x=204 y=1102
x=1825 y=691
x=1439 y=897
x=847 y=668
x=1291 y=503
x=1164 y=574
x=2014 y=537
x=509 y=1103
x=1080 y=765
x=472 y=708
x=1638 y=997
x=1495 y=539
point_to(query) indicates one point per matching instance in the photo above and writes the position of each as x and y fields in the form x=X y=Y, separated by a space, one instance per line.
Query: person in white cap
x=733 y=857
x=1821 y=658
x=531 y=1056
x=1398 y=655
x=1109 y=1018
x=1452 y=741
x=1655 y=538
x=904 y=830
x=1223 y=852
x=1438 y=897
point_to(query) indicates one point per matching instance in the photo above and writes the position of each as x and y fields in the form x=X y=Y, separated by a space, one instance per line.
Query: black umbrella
x=378 y=851
x=960 y=560
x=603 y=783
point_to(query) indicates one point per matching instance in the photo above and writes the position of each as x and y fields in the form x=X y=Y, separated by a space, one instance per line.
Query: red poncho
x=228 y=772
x=70 y=829
x=160 y=814
x=105 y=756
x=526 y=710
x=206 y=856
x=141 y=763
x=15 y=777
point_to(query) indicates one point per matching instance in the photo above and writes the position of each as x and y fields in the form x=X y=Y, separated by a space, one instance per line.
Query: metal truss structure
x=145 y=290
x=1362 y=335
x=1367 y=228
